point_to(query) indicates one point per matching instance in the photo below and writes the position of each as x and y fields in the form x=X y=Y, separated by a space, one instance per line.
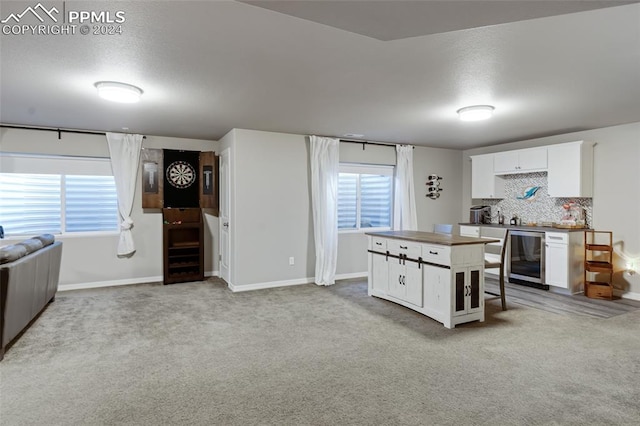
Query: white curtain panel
x=124 y=151
x=405 y=217
x=324 y=202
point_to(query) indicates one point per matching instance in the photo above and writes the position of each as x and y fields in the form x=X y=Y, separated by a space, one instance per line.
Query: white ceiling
x=395 y=71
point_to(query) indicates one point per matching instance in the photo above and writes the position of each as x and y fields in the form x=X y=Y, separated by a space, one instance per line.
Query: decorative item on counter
x=514 y=220
x=572 y=215
x=433 y=186
x=529 y=193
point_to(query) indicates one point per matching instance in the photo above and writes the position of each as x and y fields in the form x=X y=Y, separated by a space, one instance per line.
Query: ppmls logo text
x=56 y=19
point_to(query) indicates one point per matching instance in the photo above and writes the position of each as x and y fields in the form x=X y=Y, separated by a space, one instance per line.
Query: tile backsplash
x=540 y=208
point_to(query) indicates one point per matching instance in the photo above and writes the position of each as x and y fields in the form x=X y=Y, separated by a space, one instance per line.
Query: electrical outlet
x=291 y=261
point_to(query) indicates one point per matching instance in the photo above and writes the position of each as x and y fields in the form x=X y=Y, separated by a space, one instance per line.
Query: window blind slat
x=33 y=203
x=370 y=194
x=30 y=203
x=91 y=203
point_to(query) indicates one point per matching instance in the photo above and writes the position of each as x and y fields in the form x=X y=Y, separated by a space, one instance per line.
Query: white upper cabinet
x=520 y=161
x=570 y=171
x=484 y=182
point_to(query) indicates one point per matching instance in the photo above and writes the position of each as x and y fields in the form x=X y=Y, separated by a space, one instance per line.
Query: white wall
x=616 y=196
x=92 y=260
x=273 y=220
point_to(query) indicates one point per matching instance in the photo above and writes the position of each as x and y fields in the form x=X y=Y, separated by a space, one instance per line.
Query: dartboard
x=181 y=174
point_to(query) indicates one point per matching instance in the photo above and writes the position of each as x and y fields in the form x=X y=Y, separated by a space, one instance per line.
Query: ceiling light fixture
x=475 y=112
x=118 y=92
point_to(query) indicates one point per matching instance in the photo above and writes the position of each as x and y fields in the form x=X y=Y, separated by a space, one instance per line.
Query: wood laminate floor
x=561 y=304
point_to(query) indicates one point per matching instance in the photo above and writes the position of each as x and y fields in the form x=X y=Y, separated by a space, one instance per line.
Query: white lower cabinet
x=556 y=265
x=564 y=260
x=445 y=283
x=467 y=290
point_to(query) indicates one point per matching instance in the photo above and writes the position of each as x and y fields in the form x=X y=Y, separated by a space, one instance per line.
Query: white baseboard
x=270 y=284
x=128 y=281
x=626 y=294
x=352 y=275
x=286 y=283
x=113 y=283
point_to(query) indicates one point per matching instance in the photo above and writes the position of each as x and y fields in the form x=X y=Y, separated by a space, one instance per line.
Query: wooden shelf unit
x=598 y=264
x=183 y=245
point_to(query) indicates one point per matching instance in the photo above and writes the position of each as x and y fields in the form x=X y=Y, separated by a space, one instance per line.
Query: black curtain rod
x=59 y=131
x=363 y=143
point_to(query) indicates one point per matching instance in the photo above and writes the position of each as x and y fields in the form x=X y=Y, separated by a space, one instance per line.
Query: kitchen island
x=440 y=276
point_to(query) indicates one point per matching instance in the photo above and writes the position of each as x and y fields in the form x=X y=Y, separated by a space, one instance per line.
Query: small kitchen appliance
x=480 y=214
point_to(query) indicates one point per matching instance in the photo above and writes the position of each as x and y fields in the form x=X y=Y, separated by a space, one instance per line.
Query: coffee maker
x=480 y=214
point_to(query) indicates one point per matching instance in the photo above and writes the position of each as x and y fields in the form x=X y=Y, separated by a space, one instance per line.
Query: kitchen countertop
x=433 y=238
x=526 y=228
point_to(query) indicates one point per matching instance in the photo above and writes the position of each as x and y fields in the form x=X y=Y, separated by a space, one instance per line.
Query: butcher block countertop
x=432 y=238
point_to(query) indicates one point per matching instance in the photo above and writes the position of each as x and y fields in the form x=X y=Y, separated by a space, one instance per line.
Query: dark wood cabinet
x=209 y=186
x=192 y=183
x=152 y=176
x=183 y=245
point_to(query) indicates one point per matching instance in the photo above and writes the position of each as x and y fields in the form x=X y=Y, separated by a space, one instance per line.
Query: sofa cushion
x=31 y=245
x=12 y=252
x=47 y=239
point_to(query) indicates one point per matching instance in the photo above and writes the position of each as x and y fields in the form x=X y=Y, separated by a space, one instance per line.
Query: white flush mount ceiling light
x=118 y=92
x=475 y=112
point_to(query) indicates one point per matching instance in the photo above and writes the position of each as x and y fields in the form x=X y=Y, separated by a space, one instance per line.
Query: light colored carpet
x=197 y=353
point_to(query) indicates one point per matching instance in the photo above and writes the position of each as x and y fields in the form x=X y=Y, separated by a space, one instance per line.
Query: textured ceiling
x=208 y=67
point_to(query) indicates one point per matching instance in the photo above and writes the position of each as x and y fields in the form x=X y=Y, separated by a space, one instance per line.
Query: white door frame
x=224 y=219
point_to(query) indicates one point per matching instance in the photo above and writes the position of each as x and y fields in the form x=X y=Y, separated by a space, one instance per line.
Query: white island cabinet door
x=436 y=292
x=467 y=291
x=413 y=283
x=380 y=278
x=396 y=278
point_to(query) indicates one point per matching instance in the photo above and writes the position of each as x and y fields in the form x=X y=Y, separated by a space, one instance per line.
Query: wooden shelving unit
x=598 y=264
x=183 y=245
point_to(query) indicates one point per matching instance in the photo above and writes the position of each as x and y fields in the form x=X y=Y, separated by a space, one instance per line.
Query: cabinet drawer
x=440 y=255
x=378 y=244
x=469 y=231
x=556 y=237
x=408 y=248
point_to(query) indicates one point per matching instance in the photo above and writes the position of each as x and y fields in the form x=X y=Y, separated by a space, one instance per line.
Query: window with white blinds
x=365 y=197
x=52 y=201
x=91 y=203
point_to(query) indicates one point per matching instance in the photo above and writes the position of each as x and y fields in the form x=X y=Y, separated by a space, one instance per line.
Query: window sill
x=362 y=230
x=66 y=236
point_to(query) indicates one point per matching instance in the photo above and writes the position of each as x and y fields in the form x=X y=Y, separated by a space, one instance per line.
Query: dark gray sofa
x=29 y=275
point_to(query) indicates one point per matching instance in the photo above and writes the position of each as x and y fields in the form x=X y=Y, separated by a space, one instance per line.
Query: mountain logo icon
x=38 y=11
